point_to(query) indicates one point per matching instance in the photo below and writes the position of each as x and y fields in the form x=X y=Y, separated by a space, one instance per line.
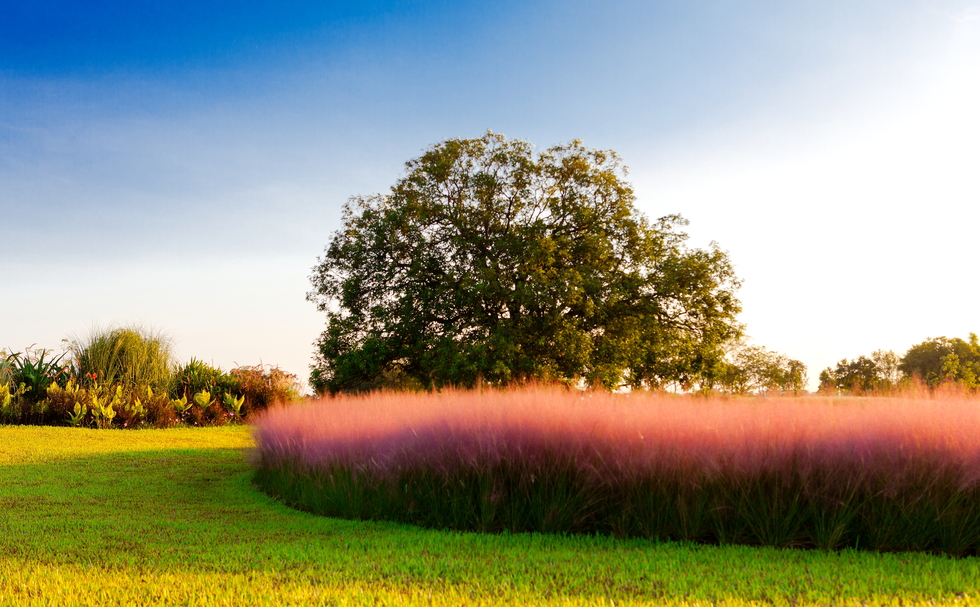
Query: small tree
x=488 y=262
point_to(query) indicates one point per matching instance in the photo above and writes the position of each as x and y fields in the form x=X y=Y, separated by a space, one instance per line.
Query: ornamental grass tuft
x=883 y=474
x=132 y=356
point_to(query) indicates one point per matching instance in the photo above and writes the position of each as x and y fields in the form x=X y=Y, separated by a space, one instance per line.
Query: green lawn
x=169 y=517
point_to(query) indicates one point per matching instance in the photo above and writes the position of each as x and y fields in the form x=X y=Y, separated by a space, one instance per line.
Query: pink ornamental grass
x=901 y=473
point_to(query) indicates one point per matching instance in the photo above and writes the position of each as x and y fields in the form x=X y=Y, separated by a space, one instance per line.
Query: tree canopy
x=935 y=361
x=488 y=262
x=943 y=359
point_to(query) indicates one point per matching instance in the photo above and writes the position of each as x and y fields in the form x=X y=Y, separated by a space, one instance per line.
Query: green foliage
x=102 y=405
x=63 y=401
x=172 y=518
x=181 y=406
x=754 y=369
x=103 y=411
x=488 y=263
x=942 y=359
x=34 y=370
x=130 y=356
x=158 y=410
x=234 y=404
x=9 y=409
x=935 y=362
x=878 y=373
x=251 y=388
x=78 y=414
x=123 y=379
x=205 y=409
x=197 y=376
x=203 y=399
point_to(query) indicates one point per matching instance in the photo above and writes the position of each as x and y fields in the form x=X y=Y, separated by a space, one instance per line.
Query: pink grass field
x=918 y=451
x=885 y=435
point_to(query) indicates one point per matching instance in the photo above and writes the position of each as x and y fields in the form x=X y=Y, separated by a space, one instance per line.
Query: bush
x=160 y=412
x=108 y=405
x=197 y=376
x=123 y=378
x=263 y=386
x=28 y=375
x=219 y=396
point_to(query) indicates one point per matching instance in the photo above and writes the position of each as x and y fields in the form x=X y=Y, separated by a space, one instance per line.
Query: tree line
x=934 y=362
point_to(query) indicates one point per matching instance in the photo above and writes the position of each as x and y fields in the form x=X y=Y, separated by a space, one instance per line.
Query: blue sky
x=182 y=164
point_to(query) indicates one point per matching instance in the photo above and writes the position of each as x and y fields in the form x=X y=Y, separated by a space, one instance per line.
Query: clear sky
x=182 y=164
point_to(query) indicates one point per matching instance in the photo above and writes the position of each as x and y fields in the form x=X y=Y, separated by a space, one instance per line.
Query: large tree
x=490 y=262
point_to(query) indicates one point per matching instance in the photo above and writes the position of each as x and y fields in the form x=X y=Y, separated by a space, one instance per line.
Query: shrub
x=263 y=386
x=196 y=377
x=123 y=378
x=104 y=406
x=62 y=402
x=28 y=375
x=883 y=474
x=9 y=407
x=131 y=356
x=160 y=412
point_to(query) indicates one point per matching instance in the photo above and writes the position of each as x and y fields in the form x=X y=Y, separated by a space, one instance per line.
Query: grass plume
x=883 y=474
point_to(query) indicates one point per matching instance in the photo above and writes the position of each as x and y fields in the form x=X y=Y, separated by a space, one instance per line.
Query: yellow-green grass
x=170 y=517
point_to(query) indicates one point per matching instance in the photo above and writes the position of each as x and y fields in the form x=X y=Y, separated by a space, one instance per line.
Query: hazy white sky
x=183 y=164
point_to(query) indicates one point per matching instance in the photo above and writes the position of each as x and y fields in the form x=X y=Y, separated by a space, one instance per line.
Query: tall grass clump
x=882 y=474
x=130 y=356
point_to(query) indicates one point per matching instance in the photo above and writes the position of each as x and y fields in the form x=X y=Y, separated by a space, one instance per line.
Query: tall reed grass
x=882 y=474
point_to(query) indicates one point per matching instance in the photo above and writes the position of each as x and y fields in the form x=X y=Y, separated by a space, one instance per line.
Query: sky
x=181 y=165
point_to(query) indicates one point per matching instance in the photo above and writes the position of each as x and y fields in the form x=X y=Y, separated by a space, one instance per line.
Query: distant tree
x=887 y=364
x=942 y=359
x=754 y=369
x=488 y=262
x=875 y=373
x=795 y=377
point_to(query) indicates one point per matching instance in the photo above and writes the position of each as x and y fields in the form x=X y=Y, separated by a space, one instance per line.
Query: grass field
x=170 y=517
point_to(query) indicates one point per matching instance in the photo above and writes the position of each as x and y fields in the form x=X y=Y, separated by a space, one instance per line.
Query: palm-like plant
x=35 y=372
